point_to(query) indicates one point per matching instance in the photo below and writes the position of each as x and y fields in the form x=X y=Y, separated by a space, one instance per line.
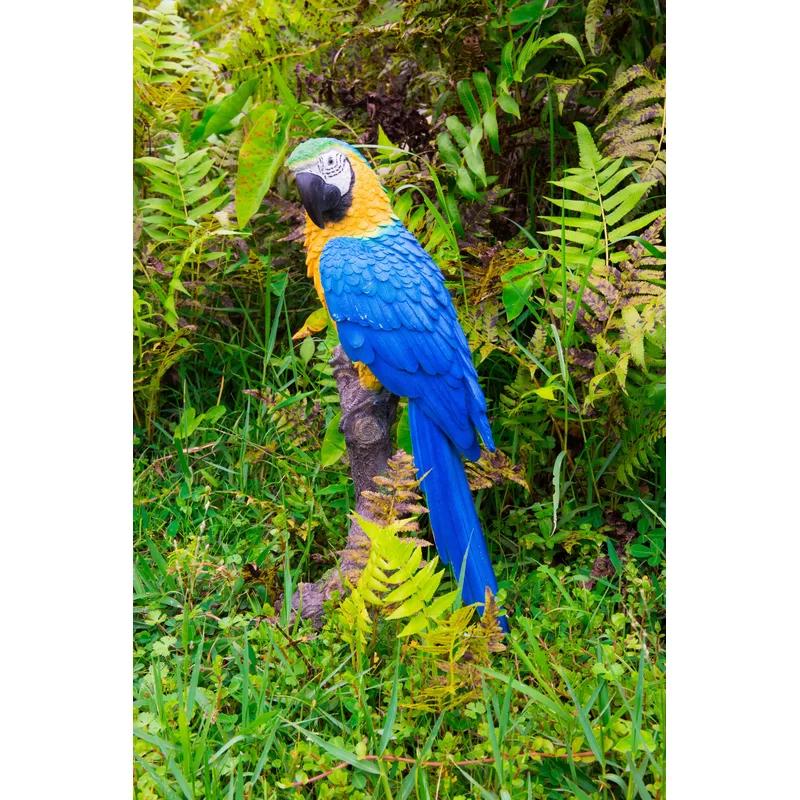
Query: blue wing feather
x=394 y=314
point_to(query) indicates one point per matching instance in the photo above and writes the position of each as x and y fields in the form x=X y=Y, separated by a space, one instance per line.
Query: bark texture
x=366 y=423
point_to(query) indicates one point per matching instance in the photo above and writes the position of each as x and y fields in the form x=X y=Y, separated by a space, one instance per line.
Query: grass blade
x=338 y=752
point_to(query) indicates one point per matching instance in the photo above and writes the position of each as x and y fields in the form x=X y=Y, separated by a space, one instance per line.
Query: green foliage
x=163 y=50
x=453 y=651
x=524 y=146
x=179 y=194
x=393 y=583
x=635 y=122
x=587 y=247
x=463 y=156
x=260 y=157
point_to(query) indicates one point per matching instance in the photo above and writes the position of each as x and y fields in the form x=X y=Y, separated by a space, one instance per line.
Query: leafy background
x=525 y=146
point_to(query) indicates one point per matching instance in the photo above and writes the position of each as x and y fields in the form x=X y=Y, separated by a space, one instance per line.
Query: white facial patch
x=334 y=168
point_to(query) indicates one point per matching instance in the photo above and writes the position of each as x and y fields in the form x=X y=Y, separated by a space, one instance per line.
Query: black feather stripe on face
x=338 y=212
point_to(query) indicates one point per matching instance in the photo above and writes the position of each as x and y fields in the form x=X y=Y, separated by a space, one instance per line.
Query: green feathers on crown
x=311 y=149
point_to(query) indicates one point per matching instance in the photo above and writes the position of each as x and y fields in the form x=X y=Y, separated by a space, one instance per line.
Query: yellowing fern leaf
x=457 y=647
x=635 y=124
x=394 y=582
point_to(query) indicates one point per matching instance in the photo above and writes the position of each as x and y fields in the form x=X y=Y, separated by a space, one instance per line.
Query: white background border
x=732 y=400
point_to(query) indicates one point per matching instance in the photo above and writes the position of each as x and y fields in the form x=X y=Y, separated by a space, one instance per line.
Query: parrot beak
x=317 y=196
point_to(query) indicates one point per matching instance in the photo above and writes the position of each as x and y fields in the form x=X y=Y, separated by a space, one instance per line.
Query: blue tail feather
x=456 y=528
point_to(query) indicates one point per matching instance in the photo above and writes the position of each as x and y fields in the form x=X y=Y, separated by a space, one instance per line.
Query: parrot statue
x=396 y=321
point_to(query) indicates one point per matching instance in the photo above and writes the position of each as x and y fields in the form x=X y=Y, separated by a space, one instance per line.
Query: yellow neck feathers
x=369 y=210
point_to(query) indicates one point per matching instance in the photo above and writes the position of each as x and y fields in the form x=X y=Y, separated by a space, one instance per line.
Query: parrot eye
x=329 y=164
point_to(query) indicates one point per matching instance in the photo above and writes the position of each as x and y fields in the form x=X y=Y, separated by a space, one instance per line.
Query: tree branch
x=366 y=422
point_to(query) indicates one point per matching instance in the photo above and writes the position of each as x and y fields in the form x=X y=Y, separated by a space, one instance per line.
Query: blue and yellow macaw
x=396 y=320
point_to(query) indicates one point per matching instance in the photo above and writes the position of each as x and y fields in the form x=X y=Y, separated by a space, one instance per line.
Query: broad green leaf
x=285 y=93
x=474 y=161
x=333 y=444
x=507 y=62
x=464 y=89
x=448 y=150
x=515 y=296
x=456 y=127
x=390 y=151
x=508 y=104
x=475 y=136
x=490 y=128
x=260 y=157
x=465 y=184
x=226 y=110
x=315 y=322
x=307 y=349
x=529 y=12
x=484 y=89
x=645 y=741
x=546 y=392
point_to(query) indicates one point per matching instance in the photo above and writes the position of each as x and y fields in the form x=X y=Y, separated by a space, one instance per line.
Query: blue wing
x=394 y=314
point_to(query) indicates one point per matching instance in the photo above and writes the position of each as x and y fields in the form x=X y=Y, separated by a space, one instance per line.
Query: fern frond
x=397 y=494
x=492 y=469
x=393 y=582
x=180 y=195
x=638 y=446
x=490 y=624
x=595 y=38
x=163 y=50
x=457 y=648
x=168 y=97
x=616 y=295
x=525 y=418
x=356 y=621
x=635 y=124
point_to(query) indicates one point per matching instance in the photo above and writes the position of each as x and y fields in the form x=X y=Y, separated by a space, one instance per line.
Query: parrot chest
x=315 y=240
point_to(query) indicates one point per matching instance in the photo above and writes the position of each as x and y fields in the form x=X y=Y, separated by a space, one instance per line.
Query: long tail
x=456 y=529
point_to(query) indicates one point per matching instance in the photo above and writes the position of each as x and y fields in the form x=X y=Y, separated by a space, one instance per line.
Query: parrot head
x=326 y=172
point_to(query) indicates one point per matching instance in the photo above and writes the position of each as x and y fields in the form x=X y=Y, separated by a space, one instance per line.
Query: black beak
x=318 y=197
